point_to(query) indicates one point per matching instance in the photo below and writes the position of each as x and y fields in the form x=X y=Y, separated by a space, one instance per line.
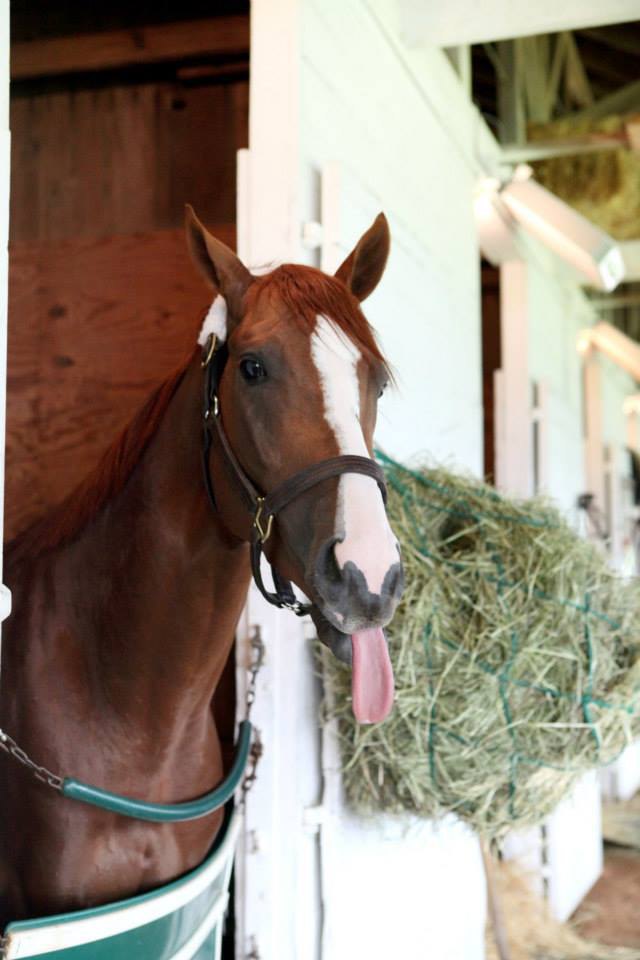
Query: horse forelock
x=306 y=294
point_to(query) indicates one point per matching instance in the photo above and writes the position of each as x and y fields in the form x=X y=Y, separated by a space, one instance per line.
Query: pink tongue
x=372 y=676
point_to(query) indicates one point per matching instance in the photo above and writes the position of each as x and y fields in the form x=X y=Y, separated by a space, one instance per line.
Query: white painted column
x=272 y=229
x=278 y=906
x=593 y=436
x=513 y=460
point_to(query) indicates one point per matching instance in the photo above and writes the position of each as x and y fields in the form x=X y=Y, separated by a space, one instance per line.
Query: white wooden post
x=565 y=855
x=593 y=438
x=513 y=461
x=278 y=908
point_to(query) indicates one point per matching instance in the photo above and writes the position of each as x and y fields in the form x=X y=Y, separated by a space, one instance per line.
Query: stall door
x=345 y=122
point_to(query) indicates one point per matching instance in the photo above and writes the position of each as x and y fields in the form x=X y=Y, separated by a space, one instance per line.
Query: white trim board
x=479 y=21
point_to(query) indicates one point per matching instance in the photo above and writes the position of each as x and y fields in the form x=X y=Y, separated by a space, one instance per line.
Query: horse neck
x=169 y=582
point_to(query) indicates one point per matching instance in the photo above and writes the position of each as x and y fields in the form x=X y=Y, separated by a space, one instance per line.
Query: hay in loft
x=603 y=186
x=516 y=656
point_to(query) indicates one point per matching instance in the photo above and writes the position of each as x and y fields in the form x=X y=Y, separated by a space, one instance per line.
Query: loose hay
x=533 y=933
x=516 y=660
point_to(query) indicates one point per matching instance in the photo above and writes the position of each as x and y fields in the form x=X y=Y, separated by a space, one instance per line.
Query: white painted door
x=345 y=121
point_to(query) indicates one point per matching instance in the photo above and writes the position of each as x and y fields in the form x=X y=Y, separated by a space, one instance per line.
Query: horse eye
x=252 y=369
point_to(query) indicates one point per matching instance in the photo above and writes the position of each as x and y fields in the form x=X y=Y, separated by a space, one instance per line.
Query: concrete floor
x=610 y=913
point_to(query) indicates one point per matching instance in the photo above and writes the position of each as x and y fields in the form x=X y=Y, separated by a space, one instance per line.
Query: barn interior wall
x=103 y=301
x=378 y=118
x=558 y=311
x=617 y=385
x=398 y=155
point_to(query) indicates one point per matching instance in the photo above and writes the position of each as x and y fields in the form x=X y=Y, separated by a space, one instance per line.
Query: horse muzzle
x=344 y=596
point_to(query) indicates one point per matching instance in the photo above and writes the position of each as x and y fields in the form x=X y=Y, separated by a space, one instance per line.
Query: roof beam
x=477 y=21
x=624 y=100
x=616 y=345
x=616 y=38
x=113 y=49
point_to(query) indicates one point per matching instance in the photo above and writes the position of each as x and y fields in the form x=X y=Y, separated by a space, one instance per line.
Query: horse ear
x=218 y=264
x=364 y=266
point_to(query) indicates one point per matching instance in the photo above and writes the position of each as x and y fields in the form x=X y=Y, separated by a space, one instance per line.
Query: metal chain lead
x=50 y=779
x=10 y=747
x=257 y=659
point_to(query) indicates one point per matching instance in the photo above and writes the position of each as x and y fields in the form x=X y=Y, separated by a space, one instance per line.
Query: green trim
x=167 y=812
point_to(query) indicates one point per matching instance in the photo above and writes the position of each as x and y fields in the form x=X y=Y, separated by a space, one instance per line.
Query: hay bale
x=516 y=660
x=603 y=186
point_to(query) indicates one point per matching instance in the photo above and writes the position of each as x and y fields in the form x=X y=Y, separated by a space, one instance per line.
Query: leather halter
x=264 y=508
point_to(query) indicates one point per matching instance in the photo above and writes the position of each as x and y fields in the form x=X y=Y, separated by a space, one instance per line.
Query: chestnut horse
x=126 y=597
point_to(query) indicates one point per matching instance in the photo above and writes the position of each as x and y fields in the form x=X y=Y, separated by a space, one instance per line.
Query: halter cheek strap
x=264 y=508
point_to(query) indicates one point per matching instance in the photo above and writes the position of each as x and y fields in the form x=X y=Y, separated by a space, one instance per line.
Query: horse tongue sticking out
x=372 y=676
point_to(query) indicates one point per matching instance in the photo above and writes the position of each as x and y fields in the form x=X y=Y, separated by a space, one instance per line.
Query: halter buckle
x=295 y=607
x=263 y=532
x=213 y=408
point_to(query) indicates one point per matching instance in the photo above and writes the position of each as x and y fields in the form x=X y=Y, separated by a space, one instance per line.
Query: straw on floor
x=533 y=933
x=516 y=655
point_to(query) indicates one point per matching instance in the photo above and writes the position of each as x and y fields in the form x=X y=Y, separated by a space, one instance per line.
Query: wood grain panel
x=108 y=49
x=93 y=327
x=120 y=159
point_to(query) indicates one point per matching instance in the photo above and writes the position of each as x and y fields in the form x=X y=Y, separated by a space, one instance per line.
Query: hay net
x=516 y=656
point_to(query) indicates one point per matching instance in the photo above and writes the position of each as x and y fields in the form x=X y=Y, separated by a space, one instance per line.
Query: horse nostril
x=327 y=563
x=394 y=582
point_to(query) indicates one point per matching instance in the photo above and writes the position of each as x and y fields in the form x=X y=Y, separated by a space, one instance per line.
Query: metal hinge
x=255 y=954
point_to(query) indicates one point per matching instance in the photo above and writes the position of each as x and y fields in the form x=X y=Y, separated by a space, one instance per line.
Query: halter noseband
x=265 y=508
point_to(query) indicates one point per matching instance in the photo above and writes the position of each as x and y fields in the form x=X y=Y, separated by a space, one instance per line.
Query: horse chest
x=102 y=858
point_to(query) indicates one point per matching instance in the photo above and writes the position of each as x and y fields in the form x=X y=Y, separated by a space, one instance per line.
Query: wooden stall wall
x=103 y=300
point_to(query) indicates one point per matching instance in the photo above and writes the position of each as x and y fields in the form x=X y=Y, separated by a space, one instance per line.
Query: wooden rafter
x=112 y=49
x=623 y=101
x=577 y=87
x=616 y=38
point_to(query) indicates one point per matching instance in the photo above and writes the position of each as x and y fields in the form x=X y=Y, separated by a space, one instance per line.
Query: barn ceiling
x=557 y=89
x=609 y=55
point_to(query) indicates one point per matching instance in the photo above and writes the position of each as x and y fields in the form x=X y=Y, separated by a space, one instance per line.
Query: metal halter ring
x=263 y=533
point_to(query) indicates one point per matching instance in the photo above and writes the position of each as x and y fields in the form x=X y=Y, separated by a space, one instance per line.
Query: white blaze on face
x=215 y=321
x=361 y=518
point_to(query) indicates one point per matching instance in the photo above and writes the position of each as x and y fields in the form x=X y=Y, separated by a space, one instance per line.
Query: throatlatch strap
x=284 y=597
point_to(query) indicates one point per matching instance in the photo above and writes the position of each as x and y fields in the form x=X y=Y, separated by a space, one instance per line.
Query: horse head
x=300 y=385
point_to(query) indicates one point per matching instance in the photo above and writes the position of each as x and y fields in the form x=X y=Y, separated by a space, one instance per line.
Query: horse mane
x=307 y=293
x=108 y=478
